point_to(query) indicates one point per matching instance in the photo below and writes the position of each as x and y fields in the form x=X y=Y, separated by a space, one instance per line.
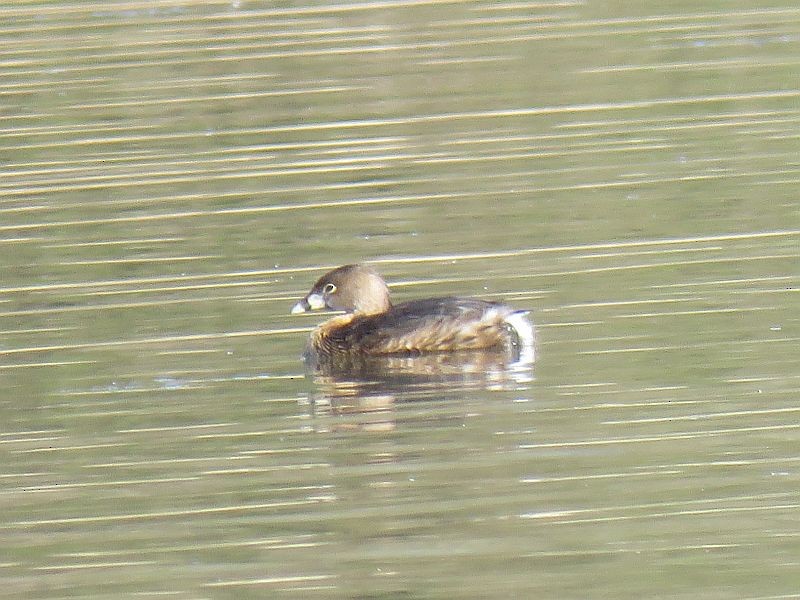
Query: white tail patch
x=519 y=322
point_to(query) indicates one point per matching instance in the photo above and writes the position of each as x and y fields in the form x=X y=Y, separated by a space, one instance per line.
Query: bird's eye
x=329 y=288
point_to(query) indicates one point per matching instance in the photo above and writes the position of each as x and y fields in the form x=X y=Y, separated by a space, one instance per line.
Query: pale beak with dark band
x=310 y=302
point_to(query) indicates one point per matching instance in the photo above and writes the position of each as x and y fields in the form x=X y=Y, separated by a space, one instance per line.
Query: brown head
x=351 y=288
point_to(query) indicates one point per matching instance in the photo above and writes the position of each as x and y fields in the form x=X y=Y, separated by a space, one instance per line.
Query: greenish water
x=177 y=174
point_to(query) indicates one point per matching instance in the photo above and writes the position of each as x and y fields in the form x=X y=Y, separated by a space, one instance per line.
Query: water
x=176 y=175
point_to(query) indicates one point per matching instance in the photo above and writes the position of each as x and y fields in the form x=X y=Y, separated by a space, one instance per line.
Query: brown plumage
x=373 y=326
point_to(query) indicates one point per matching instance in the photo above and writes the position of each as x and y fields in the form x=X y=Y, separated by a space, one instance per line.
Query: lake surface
x=177 y=174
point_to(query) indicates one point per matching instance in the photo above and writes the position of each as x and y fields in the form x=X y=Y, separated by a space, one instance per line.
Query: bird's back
x=429 y=325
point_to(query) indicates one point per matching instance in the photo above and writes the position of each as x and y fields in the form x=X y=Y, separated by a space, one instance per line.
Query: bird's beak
x=300 y=307
x=310 y=302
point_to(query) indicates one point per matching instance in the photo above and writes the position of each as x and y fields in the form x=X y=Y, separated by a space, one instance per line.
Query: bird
x=373 y=326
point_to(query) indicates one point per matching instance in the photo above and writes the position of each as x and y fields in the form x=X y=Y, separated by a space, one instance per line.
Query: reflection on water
x=368 y=387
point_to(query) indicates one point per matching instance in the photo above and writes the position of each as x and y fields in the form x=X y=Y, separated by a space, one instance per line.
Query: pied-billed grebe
x=373 y=326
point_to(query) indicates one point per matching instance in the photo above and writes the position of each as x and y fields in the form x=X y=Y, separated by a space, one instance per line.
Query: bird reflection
x=367 y=389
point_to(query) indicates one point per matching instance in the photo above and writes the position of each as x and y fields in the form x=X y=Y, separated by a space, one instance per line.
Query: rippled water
x=177 y=174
